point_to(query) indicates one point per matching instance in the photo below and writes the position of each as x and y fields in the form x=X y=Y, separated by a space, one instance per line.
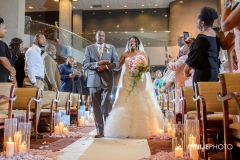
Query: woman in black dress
x=203 y=55
x=6 y=70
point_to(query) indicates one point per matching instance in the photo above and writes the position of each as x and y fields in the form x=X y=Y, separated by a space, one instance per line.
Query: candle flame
x=10 y=140
x=23 y=143
x=191 y=135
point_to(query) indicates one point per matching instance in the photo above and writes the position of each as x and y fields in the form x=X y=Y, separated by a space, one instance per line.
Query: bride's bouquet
x=137 y=65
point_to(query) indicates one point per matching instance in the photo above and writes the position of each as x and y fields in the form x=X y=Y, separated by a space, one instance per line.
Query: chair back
x=64 y=97
x=6 y=89
x=76 y=99
x=230 y=83
x=48 y=96
x=187 y=93
x=23 y=96
x=209 y=90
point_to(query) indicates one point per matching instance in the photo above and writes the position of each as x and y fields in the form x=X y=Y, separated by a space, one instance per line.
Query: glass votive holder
x=66 y=124
x=178 y=139
x=169 y=116
x=91 y=118
x=192 y=140
x=24 y=128
x=57 y=127
x=10 y=128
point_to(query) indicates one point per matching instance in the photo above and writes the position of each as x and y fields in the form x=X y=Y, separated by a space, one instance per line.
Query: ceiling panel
x=50 y=5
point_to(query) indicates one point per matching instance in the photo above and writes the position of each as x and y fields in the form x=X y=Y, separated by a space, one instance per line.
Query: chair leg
x=51 y=121
x=35 y=127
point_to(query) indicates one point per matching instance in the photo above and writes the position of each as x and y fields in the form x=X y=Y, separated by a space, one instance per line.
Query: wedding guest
x=18 y=59
x=204 y=51
x=5 y=57
x=231 y=22
x=158 y=74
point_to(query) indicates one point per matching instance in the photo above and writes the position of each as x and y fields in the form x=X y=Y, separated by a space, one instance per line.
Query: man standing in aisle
x=100 y=58
x=34 y=69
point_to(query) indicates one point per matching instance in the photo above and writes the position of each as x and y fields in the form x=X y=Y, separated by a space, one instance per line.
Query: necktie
x=100 y=51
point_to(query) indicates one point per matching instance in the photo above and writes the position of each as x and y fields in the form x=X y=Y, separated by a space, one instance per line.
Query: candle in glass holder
x=178 y=151
x=160 y=131
x=65 y=130
x=191 y=139
x=56 y=129
x=83 y=118
x=173 y=133
x=10 y=148
x=193 y=149
x=23 y=148
x=86 y=122
x=168 y=125
x=80 y=121
x=169 y=131
x=60 y=127
x=17 y=140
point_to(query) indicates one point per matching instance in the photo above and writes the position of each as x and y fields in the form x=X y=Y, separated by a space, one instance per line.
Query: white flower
x=107 y=46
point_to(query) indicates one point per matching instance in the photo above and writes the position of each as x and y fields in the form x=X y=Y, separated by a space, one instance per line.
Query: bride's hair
x=137 y=42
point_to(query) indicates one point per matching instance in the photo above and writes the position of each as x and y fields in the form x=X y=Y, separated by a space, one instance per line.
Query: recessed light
x=143 y=5
x=109 y=12
x=180 y=1
x=30 y=7
x=155 y=11
x=110 y=32
x=125 y=6
x=155 y=31
x=118 y=26
x=108 y=6
x=165 y=15
x=90 y=6
x=93 y=13
x=74 y=7
x=74 y=0
x=167 y=31
x=141 y=29
x=156 y=5
x=142 y=11
x=148 y=43
x=56 y=0
x=126 y=32
x=125 y=12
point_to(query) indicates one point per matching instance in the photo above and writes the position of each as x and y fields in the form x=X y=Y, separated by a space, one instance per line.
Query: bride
x=138 y=115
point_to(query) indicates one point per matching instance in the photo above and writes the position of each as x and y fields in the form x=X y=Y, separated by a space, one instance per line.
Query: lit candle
x=65 y=130
x=56 y=129
x=86 y=122
x=60 y=127
x=83 y=118
x=23 y=148
x=17 y=140
x=178 y=151
x=193 y=151
x=80 y=121
x=168 y=125
x=10 y=148
x=160 y=131
x=169 y=131
x=173 y=133
x=191 y=139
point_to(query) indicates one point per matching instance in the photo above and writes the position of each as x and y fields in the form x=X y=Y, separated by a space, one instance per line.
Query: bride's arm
x=122 y=61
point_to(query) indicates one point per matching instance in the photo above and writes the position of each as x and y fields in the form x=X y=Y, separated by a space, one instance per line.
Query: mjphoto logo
x=211 y=146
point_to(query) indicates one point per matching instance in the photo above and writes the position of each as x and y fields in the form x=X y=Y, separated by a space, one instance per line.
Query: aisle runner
x=106 y=148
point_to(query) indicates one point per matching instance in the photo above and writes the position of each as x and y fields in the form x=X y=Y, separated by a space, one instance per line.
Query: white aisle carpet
x=106 y=149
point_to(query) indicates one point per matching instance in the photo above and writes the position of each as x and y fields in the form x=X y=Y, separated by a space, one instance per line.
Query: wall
x=183 y=16
x=133 y=20
x=47 y=17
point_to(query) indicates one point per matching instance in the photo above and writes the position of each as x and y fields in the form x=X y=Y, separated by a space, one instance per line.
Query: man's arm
x=114 y=60
x=63 y=75
x=49 y=71
x=86 y=60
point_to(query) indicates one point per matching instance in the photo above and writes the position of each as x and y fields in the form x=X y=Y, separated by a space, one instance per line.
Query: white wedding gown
x=139 y=115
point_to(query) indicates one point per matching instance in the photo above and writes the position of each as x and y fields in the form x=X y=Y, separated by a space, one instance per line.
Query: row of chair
x=16 y=101
x=215 y=105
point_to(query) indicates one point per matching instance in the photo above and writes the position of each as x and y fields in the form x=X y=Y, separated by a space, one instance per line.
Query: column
x=77 y=28
x=13 y=13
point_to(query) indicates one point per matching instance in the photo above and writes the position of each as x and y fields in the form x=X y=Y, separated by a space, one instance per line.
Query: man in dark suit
x=100 y=58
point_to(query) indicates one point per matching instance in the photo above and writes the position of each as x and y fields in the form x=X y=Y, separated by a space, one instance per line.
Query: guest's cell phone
x=185 y=35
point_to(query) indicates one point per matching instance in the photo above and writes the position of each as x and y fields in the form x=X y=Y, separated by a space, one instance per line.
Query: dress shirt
x=98 y=45
x=34 y=63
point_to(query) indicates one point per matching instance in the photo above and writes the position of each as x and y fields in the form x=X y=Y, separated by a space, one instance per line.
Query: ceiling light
x=117 y=25
x=110 y=32
x=156 y=5
x=142 y=11
x=30 y=7
x=143 y=5
x=180 y=1
x=74 y=0
x=125 y=12
x=125 y=32
x=108 y=6
x=90 y=6
x=165 y=15
x=167 y=31
x=74 y=7
x=155 y=31
x=125 y=6
x=109 y=12
x=141 y=29
x=56 y=0
x=93 y=13
x=148 y=43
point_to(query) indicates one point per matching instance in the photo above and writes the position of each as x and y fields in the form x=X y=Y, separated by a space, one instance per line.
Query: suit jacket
x=67 y=83
x=52 y=75
x=91 y=57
